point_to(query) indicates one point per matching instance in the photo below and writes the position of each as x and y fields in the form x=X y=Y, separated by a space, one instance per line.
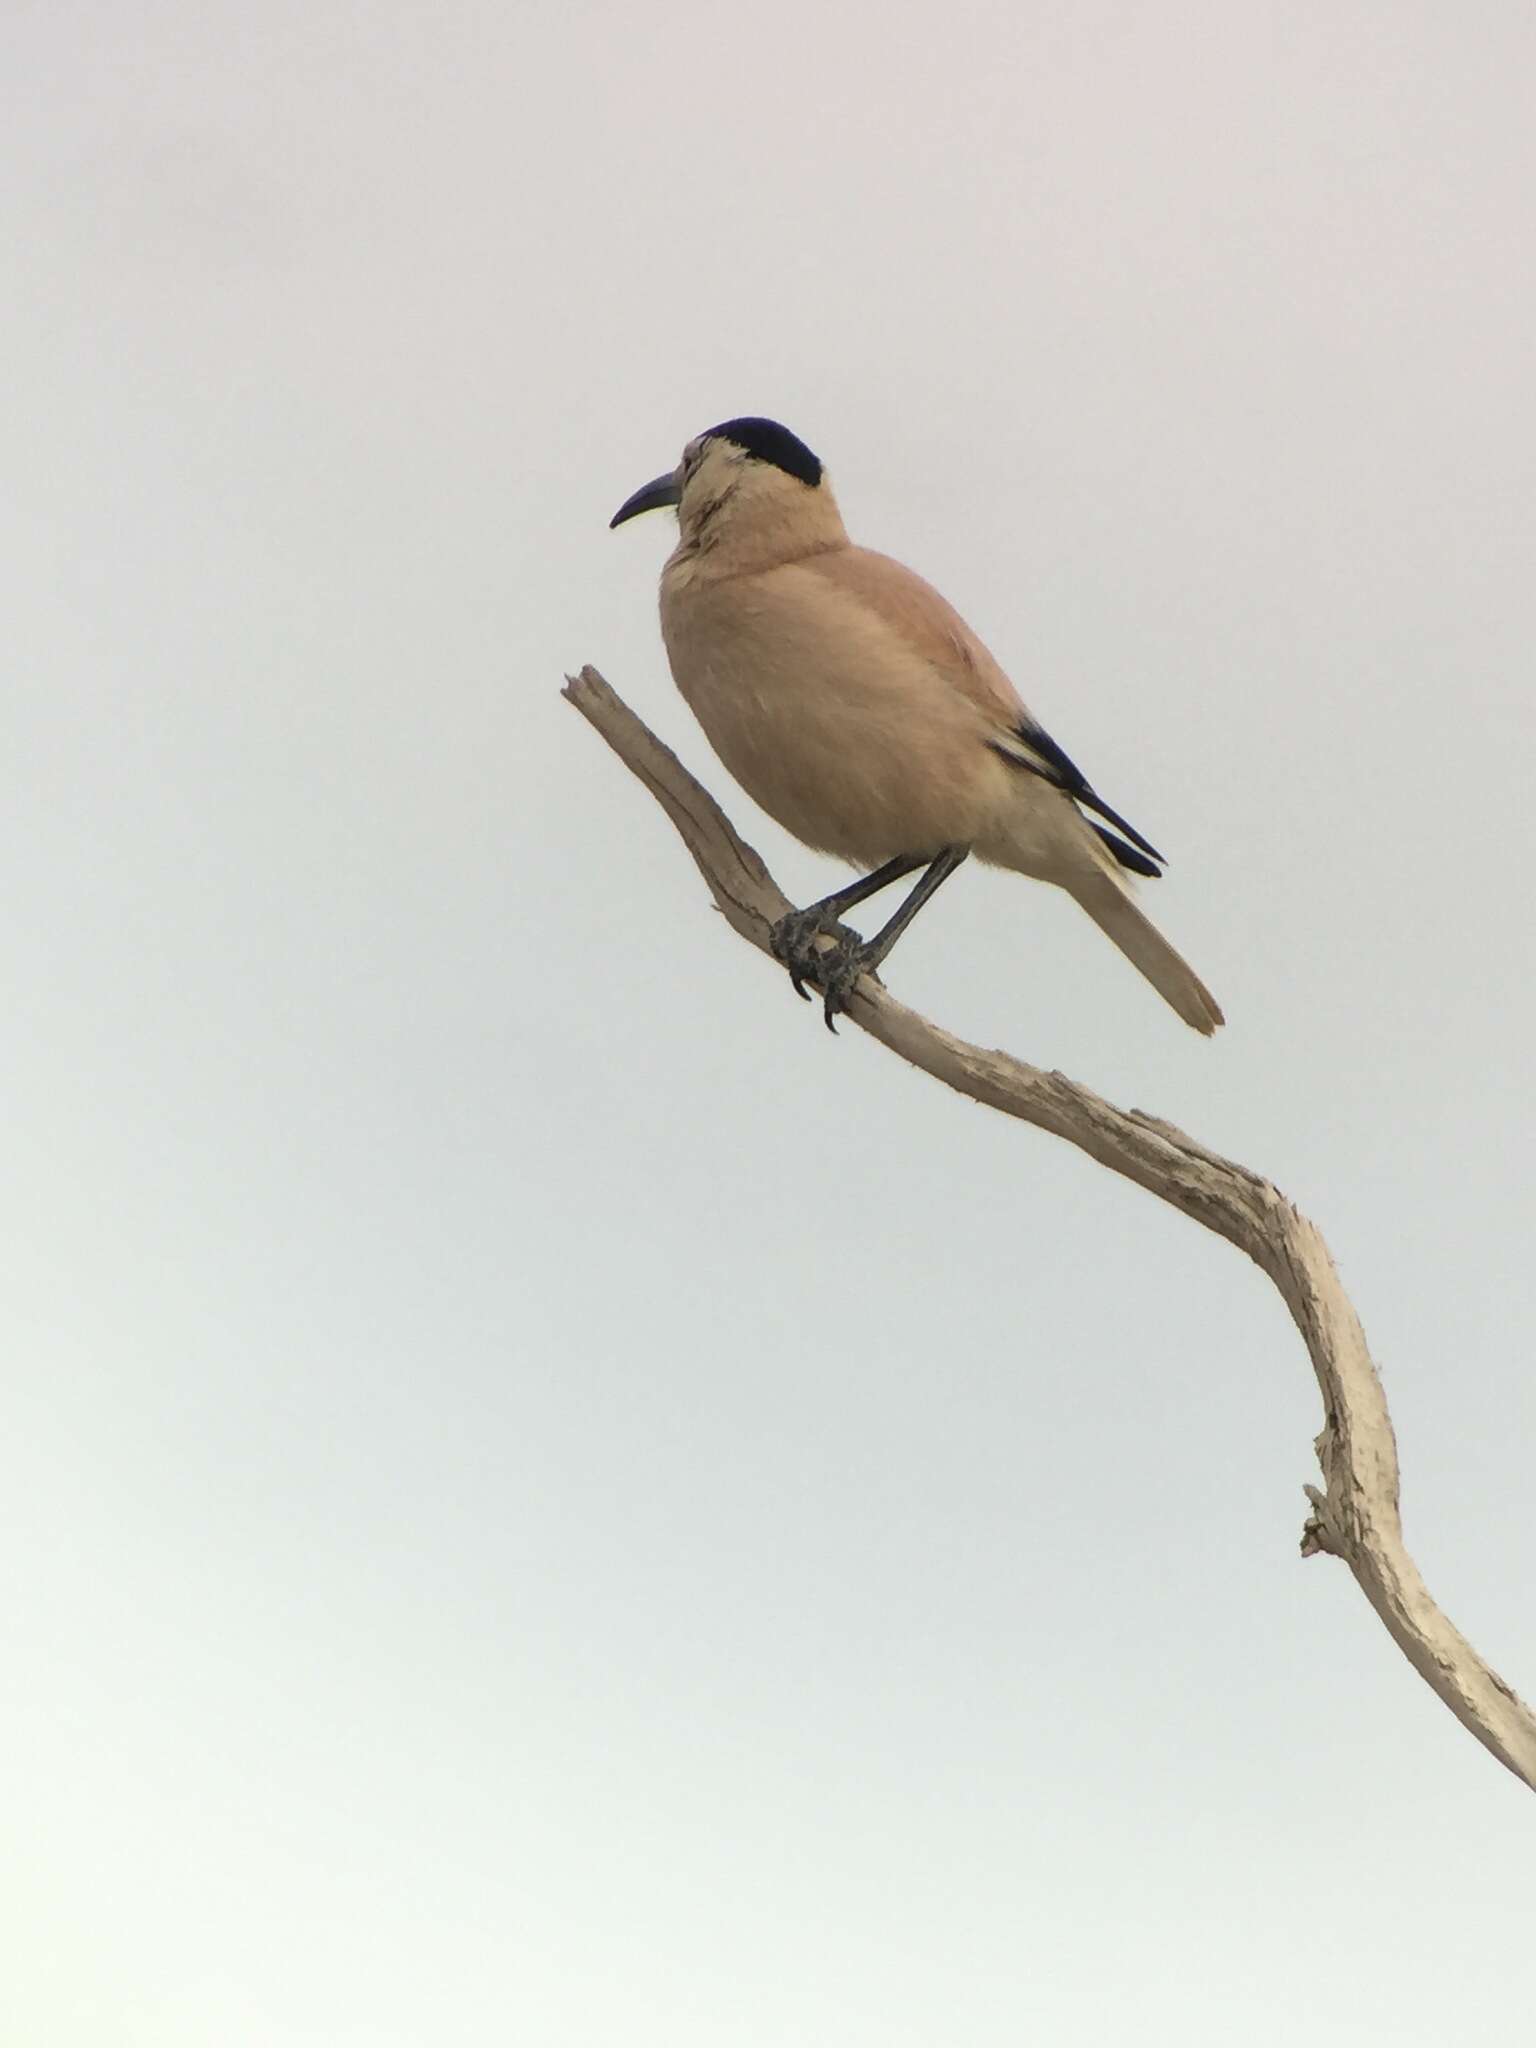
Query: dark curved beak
x=662 y=490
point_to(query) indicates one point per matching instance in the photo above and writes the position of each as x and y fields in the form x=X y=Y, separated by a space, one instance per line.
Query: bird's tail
x=1145 y=947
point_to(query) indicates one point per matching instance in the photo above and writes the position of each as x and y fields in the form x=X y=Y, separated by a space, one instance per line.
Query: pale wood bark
x=1355 y=1511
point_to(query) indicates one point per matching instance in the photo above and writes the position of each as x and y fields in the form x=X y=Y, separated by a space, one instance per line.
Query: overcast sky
x=547 y=1501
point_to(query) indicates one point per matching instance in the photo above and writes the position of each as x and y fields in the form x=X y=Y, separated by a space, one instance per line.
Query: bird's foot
x=818 y=949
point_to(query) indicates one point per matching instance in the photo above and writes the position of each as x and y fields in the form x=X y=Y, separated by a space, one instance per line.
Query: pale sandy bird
x=860 y=710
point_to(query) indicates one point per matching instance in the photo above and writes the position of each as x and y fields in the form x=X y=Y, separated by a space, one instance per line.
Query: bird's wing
x=1033 y=748
x=931 y=626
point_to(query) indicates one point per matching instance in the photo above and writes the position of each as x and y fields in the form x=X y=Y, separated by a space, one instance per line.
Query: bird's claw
x=841 y=975
x=835 y=968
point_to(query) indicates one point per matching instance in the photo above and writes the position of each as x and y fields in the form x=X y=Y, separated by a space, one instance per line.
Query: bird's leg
x=836 y=969
x=865 y=886
x=794 y=937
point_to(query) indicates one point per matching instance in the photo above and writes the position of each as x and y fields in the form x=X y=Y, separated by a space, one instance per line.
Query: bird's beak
x=662 y=490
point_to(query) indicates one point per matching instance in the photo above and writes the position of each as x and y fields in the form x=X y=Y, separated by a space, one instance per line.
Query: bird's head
x=749 y=490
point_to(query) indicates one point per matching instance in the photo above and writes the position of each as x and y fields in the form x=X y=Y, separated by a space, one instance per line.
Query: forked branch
x=1355 y=1511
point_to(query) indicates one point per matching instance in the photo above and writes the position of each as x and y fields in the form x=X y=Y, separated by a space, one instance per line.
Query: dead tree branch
x=1355 y=1511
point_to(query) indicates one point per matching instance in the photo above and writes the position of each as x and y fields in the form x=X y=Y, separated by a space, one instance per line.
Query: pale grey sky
x=545 y=1500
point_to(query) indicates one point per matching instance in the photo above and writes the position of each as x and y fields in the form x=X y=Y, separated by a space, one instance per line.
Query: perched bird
x=859 y=709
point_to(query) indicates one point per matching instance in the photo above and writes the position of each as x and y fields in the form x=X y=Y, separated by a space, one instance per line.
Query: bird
x=855 y=705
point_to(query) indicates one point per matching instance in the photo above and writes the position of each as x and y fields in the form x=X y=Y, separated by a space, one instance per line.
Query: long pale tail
x=1145 y=947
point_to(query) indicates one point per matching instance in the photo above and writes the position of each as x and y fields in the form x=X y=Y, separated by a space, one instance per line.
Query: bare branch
x=1355 y=1512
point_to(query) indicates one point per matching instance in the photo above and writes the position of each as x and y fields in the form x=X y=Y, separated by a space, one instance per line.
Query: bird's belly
x=852 y=757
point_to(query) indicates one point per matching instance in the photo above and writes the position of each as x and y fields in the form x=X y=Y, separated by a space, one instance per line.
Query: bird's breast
x=828 y=719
